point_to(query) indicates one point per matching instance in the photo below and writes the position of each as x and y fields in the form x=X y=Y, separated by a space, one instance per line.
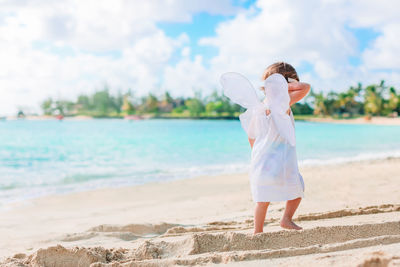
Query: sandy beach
x=350 y=215
x=376 y=120
x=362 y=120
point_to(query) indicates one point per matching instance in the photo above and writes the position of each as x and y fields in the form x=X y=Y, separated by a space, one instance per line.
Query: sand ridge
x=214 y=243
x=135 y=231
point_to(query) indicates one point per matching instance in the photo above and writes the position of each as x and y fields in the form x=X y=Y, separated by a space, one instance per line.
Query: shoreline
x=128 y=217
x=361 y=120
x=377 y=120
x=309 y=163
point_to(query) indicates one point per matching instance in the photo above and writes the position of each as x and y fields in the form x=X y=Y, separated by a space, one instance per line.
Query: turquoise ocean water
x=50 y=157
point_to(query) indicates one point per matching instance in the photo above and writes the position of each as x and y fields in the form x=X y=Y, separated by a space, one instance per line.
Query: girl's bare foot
x=289 y=224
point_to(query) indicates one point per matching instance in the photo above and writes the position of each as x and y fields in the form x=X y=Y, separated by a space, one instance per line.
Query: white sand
x=362 y=120
x=350 y=215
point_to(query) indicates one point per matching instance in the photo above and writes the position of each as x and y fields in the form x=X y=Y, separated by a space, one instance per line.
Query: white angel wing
x=278 y=100
x=239 y=89
x=254 y=120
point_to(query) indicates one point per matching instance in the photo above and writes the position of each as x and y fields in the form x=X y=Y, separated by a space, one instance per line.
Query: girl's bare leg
x=259 y=216
x=291 y=207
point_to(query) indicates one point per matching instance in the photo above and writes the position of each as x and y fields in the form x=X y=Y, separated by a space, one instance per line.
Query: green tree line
x=356 y=101
x=372 y=100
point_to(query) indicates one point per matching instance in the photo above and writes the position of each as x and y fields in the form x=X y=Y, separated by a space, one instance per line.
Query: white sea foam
x=357 y=158
x=16 y=194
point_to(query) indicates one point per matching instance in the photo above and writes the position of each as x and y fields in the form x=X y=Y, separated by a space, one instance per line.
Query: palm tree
x=166 y=105
x=393 y=103
x=319 y=103
x=127 y=106
x=373 y=99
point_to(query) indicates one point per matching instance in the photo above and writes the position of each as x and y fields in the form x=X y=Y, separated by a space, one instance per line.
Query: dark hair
x=287 y=70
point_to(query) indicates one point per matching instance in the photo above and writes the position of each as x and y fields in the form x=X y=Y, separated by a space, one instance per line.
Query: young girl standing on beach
x=274 y=174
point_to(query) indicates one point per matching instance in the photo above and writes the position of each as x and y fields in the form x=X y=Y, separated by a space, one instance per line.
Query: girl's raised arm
x=298 y=90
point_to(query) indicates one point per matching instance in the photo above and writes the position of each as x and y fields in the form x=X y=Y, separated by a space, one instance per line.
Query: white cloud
x=289 y=31
x=189 y=76
x=313 y=32
x=384 y=52
x=101 y=24
x=63 y=48
x=52 y=48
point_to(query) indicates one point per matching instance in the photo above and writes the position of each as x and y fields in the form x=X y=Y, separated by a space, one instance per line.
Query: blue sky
x=365 y=36
x=202 y=25
x=60 y=50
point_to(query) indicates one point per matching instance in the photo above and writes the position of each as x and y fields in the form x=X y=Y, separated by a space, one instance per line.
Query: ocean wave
x=357 y=158
x=10 y=193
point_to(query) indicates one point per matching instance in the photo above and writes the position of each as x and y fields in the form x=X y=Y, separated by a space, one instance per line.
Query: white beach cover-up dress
x=274 y=173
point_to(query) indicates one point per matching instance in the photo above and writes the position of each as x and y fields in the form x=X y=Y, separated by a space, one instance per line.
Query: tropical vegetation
x=374 y=99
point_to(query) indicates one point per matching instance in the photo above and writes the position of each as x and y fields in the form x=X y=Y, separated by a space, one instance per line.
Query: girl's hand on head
x=297 y=91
